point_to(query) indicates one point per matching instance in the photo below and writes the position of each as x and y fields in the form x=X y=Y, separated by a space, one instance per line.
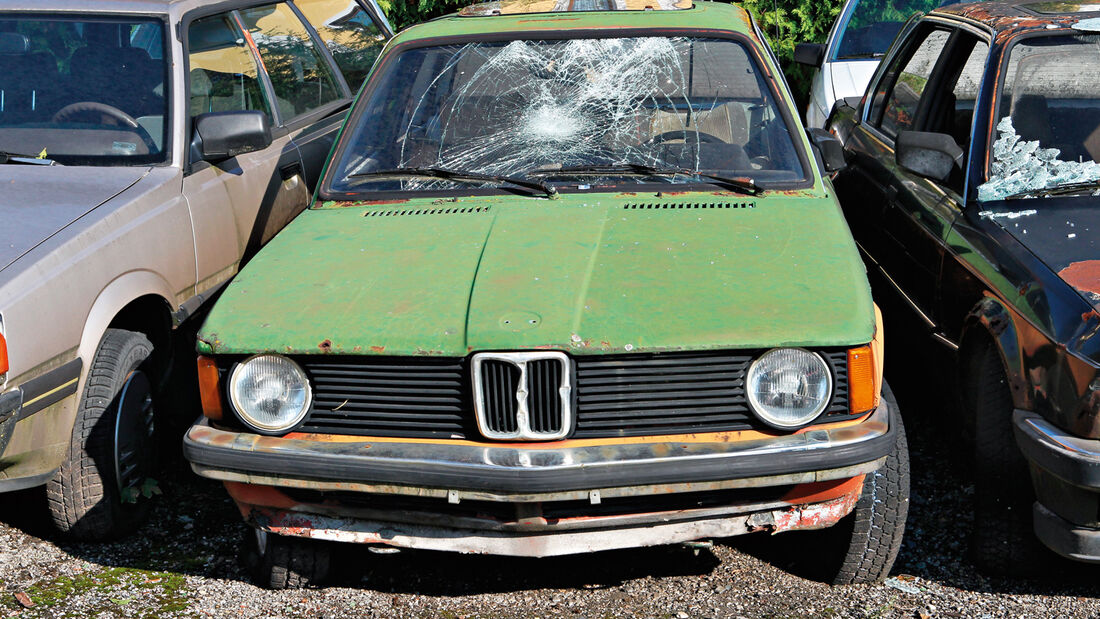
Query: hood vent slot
x=686 y=205
x=453 y=210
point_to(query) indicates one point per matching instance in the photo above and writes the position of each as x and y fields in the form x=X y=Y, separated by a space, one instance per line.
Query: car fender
x=116 y=295
x=991 y=317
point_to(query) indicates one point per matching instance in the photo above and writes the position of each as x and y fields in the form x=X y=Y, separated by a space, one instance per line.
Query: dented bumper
x=537 y=499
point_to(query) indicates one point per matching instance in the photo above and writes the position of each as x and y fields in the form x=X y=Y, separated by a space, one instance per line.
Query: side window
x=965 y=93
x=896 y=109
x=223 y=72
x=300 y=76
x=350 y=34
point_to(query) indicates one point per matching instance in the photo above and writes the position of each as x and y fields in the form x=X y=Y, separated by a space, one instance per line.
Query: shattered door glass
x=1048 y=128
x=521 y=107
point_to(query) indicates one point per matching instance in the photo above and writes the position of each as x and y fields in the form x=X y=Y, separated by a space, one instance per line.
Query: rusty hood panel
x=587 y=274
x=1060 y=231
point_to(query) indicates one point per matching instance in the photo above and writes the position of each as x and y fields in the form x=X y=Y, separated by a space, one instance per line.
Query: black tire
x=84 y=496
x=875 y=527
x=282 y=562
x=1003 y=542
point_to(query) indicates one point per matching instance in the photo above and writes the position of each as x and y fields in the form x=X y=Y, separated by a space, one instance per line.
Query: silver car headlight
x=270 y=393
x=789 y=387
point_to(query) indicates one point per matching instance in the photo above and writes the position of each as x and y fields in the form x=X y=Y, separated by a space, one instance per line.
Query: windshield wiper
x=1057 y=190
x=461 y=176
x=741 y=185
x=18 y=159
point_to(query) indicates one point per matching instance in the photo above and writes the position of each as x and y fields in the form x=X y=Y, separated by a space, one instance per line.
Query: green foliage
x=784 y=23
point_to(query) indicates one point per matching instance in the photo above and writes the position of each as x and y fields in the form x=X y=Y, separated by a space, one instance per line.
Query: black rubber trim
x=1069 y=458
x=1064 y=537
x=506 y=469
x=10 y=404
x=50 y=388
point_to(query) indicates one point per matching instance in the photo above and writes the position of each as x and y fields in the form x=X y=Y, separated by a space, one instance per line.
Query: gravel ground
x=184 y=563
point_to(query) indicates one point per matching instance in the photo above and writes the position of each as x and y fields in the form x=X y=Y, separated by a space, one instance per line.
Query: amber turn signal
x=3 y=355
x=863 y=393
x=210 y=388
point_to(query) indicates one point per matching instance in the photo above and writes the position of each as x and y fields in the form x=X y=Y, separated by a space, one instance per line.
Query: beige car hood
x=38 y=201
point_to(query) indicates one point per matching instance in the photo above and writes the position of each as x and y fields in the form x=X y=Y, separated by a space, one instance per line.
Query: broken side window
x=514 y=108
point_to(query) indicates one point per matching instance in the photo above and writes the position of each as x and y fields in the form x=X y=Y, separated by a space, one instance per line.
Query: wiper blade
x=461 y=176
x=741 y=185
x=18 y=159
x=1057 y=190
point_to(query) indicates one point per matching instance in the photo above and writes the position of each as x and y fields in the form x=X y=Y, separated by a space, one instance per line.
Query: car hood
x=850 y=78
x=38 y=201
x=1060 y=231
x=588 y=274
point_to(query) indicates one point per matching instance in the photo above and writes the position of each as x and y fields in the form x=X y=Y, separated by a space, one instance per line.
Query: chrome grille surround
x=523 y=422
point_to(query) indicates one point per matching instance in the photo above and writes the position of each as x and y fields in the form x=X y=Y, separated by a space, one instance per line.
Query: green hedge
x=784 y=22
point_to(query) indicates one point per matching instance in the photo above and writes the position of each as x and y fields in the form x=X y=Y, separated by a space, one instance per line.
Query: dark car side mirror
x=224 y=135
x=931 y=155
x=809 y=54
x=830 y=148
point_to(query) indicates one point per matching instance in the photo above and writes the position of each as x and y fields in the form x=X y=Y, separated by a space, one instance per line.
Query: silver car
x=147 y=149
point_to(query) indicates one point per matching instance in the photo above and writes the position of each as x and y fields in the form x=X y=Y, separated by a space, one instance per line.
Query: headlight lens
x=789 y=387
x=270 y=393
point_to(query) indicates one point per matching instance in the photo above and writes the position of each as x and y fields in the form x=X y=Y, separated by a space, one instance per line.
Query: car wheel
x=96 y=493
x=1003 y=542
x=282 y=562
x=874 y=528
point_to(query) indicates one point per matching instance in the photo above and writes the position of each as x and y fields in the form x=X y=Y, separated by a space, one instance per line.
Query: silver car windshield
x=1047 y=139
x=563 y=110
x=83 y=90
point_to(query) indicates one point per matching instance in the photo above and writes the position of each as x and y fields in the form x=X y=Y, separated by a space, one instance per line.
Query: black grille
x=619 y=395
x=387 y=396
x=499 y=380
x=543 y=396
x=648 y=206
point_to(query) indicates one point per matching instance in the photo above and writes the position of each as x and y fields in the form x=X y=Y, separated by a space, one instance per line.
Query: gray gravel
x=184 y=563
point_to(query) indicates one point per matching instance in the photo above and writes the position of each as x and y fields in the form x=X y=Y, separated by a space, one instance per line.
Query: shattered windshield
x=1048 y=128
x=84 y=91
x=558 y=109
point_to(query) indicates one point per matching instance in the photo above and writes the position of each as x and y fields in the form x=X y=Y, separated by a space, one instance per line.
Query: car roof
x=701 y=16
x=512 y=7
x=1008 y=18
x=110 y=6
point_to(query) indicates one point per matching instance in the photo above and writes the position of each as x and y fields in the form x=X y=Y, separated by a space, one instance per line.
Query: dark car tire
x=84 y=497
x=1003 y=542
x=282 y=562
x=875 y=527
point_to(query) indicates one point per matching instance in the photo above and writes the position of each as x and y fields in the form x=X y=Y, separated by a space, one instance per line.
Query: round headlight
x=788 y=387
x=270 y=393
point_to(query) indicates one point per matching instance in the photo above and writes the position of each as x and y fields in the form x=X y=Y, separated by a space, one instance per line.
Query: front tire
x=94 y=495
x=282 y=562
x=876 y=525
x=1003 y=542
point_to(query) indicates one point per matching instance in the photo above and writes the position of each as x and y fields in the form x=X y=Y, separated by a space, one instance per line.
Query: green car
x=573 y=281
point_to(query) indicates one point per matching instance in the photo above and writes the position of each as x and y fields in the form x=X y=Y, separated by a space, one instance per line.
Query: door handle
x=291 y=170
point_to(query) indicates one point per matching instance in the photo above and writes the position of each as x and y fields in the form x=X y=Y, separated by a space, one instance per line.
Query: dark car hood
x=37 y=201
x=1060 y=231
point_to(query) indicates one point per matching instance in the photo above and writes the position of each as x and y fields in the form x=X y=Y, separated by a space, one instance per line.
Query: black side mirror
x=931 y=155
x=809 y=54
x=224 y=135
x=830 y=148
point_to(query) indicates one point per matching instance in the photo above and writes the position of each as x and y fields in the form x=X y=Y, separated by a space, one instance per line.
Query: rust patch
x=325 y=346
x=824 y=490
x=1084 y=276
x=816 y=516
x=377 y=348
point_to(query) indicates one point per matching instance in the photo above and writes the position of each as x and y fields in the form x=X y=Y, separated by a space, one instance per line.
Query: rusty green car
x=573 y=281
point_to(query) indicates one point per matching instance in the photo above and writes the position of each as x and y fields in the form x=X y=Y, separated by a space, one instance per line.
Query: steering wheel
x=686 y=135
x=109 y=113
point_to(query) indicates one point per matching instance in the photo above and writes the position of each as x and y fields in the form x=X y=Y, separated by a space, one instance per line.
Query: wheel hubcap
x=133 y=431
